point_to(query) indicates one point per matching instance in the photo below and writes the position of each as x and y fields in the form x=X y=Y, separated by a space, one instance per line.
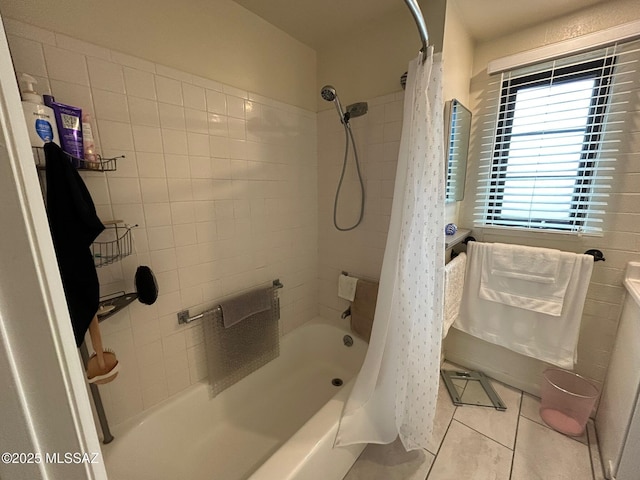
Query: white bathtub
x=276 y=424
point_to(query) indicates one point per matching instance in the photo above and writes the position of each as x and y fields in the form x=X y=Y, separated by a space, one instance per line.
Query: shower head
x=330 y=95
x=357 y=109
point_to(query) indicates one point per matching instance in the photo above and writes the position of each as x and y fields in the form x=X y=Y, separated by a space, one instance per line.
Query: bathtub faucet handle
x=346 y=313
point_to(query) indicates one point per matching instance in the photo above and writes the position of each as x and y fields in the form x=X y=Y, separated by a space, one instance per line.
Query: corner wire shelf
x=112 y=245
x=100 y=165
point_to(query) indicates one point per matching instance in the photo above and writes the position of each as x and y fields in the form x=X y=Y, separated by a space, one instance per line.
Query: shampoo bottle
x=41 y=122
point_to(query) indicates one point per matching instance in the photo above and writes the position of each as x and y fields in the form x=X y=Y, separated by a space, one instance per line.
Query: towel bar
x=597 y=254
x=183 y=316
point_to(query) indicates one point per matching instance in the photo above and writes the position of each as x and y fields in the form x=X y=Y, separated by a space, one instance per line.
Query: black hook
x=597 y=255
x=468 y=239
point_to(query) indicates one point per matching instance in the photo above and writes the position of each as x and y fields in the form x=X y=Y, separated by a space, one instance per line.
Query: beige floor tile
x=531 y=410
x=500 y=426
x=391 y=462
x=468 y=455
x=544 y=454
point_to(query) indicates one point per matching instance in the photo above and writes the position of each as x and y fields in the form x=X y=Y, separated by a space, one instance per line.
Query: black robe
x=74 y=226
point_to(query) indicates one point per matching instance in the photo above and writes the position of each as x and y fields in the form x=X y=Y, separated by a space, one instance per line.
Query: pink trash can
x=567 y=401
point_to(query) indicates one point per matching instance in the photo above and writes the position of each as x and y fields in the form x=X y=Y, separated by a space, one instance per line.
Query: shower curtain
x=396 y=390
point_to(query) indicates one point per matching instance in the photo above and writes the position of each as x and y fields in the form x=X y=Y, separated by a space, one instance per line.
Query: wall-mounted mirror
x=459 y=129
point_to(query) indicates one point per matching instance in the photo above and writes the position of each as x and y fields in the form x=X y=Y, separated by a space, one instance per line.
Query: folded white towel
x=347 y=287
x=538 y=265
x=453 y=286
x=545 y=337
x=530 y=278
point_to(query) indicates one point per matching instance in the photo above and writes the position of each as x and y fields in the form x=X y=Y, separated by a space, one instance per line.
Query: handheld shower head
x=329 y=94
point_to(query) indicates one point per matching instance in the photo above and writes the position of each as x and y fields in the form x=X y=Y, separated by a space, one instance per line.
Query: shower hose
x=348 y=137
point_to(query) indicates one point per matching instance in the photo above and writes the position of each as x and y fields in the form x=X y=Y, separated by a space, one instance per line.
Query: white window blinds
x=550 y=134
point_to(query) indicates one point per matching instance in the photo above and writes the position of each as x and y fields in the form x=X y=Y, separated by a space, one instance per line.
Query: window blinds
x=549 y=138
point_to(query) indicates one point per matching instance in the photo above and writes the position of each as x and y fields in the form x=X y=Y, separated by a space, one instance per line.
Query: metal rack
x=119 y=245
x=100 y=165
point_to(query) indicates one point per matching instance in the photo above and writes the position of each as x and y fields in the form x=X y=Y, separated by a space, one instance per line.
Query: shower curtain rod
x=420 y=23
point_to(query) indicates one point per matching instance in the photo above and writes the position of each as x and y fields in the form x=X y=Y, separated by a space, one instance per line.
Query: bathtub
x=276 y=424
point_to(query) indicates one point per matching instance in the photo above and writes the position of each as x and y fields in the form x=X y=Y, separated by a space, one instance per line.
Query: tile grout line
x=485 y=435
x=435 y=457
x=515 y=440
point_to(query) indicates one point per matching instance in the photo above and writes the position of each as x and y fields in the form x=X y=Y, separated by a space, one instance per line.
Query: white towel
x=453 y=286
x=538 y=265
x=347 y=287
x=545 y=337
x=530 y=278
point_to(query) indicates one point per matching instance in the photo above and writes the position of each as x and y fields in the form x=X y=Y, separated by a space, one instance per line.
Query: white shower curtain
x=396 y=390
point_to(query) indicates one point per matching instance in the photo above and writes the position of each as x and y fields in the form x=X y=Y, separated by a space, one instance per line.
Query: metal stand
x=471 y=388
x=97 y=400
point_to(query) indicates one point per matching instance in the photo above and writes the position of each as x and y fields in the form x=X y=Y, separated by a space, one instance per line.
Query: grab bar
x=183 y=316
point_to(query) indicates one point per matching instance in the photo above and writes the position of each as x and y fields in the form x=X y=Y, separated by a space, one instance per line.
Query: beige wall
x=620 y=242
x=216 y=39
x=457 y=54
x=370 y=62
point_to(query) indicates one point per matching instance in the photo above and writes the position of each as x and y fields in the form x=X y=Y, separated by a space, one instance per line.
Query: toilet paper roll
x=347 y=287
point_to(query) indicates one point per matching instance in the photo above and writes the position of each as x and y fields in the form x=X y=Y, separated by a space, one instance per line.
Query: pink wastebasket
x=567 y=401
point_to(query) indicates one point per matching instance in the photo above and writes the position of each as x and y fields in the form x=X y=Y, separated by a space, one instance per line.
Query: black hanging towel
x=74 y=226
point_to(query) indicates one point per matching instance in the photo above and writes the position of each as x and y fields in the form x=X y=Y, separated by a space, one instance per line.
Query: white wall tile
x=160 y=238
x=200 y=167
x=139 y=83
x=105 y=75
x=27 y=56
x=216 y=102
x=194 y=97
x=169 y=90
x=185 y=181
x=196 y=121
x=66 y=65
x=151 y=165
x=115 y=135
x=235 y=107
x=72 y=94
x=110 y=106
x=143 y=112
x=82 y=47
x=125 y=191
x=147 y=139
x=185 y=234
x=157 y=215
x=177 y=166
x=154 y=190
x=171 y=116
x=217 y=124
x=173 y=73
x=236 y=128
x=180 y=189
x=198 y=144
x=31 y=32
x=174 y=141
x=182 y=212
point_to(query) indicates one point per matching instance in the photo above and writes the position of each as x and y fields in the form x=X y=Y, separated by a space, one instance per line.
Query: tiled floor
x=480 y=443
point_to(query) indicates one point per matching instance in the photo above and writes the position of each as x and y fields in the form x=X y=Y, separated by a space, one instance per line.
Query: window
x=548 y=148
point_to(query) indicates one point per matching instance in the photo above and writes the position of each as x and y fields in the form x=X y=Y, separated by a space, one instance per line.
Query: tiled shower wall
x=360 y=251
x=222 y=184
